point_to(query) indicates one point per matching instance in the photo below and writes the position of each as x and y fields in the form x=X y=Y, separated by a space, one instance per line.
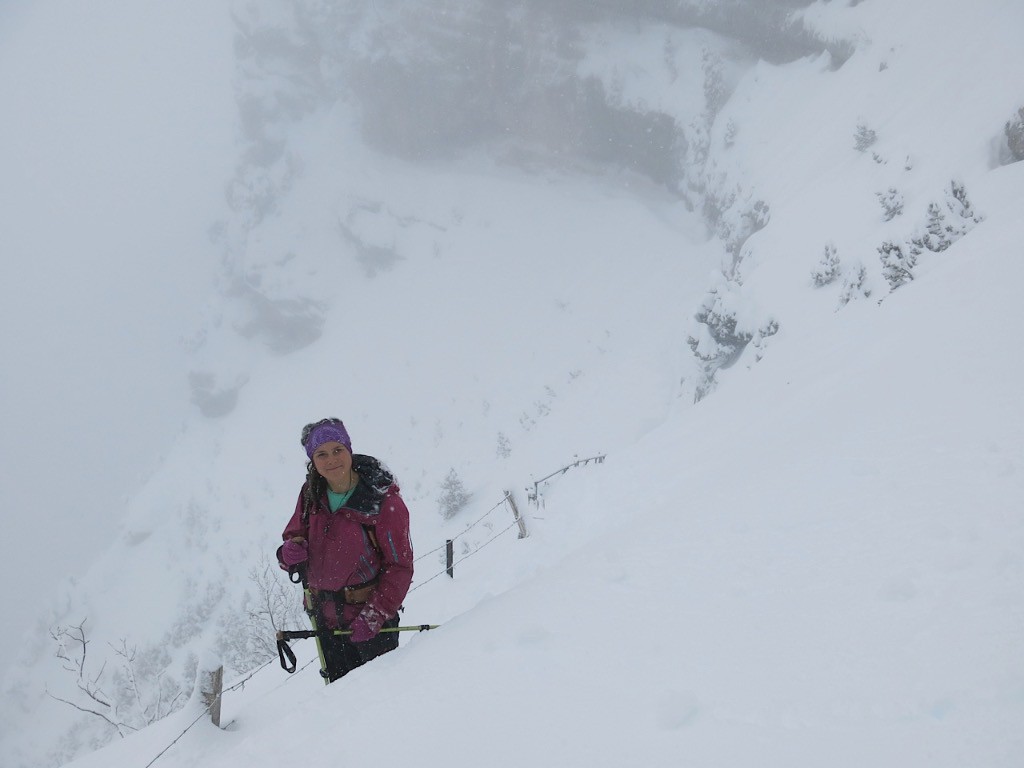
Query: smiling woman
x=348 y=543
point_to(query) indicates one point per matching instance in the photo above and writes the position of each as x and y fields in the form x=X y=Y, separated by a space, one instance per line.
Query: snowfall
x=803 y=550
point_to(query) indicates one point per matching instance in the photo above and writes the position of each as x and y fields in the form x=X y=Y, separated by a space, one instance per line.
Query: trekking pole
x=287 y=655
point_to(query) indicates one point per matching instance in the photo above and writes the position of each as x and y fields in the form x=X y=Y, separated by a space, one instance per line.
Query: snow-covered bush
x=733 y=222
x=898 y=262
x=959 y=205
x=720 y=339
x=454 y=495
x=504 y=449
x=715 y=91
x=1014 y=131
x=892 y=203
x=827 y=270
x=855 y=279
x=945 y=223
x=864 y=138
x=729 y=135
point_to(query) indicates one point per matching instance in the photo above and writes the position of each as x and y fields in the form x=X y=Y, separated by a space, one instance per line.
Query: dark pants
x=341 y=655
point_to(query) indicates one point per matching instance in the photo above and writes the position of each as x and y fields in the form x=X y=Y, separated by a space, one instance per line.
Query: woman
x=349 y=539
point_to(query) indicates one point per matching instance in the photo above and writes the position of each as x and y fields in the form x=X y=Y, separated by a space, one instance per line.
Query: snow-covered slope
x=819 y=561
x=837 y=579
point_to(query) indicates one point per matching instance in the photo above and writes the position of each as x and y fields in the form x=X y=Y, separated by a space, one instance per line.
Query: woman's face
x=334 y=462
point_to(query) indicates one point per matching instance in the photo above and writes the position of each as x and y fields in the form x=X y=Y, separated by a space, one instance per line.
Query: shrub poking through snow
x=827 y=270
x=864 y=138
x=1014 y=131
x=945 y=224
x=720 y=339
x=892 y=203
x=854 y=284
x=454 y=495
x=898 y=262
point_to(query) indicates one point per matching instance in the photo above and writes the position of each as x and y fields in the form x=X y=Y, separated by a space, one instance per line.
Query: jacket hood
x=373 y=473
x=363 y=507
x=375 y=481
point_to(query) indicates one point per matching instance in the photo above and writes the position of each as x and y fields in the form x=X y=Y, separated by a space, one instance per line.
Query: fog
x=131 y=129
x=113 y=150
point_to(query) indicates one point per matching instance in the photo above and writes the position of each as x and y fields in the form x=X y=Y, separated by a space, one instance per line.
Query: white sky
x=113 y=151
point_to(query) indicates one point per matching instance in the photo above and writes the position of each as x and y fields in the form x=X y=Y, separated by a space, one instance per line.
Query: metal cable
x=251 y=674
x=464 y=532
x=466 y=556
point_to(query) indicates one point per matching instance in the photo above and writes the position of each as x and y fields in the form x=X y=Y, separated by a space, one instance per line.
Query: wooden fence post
x=523 y=533
x=450 y=556
x=212 y=689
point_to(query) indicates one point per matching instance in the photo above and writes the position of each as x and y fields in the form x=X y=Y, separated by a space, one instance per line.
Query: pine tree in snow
x=827 y=270
x=958 y=204
x=944 y=225
x=453 y=495
x=729 y=137
x=854 y=284
x=1015 y=136
x=948 y=223
x=898 y=263
x=719 y=340
x=939 y=234
x=892 y=203
x=864 y=138
x=715 y=92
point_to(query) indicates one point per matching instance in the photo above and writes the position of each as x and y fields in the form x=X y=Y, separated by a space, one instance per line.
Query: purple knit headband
x=330 y=432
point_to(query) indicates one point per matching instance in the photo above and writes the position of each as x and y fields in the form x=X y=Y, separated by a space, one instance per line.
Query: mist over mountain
x=750 y=252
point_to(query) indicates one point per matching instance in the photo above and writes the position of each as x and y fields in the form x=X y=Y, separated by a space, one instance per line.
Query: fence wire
x=463 y=532
x=241 y=683
x=444 y=570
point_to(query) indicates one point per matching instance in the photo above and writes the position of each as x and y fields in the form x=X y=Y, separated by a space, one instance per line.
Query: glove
x=293 y=553
x=366 y=625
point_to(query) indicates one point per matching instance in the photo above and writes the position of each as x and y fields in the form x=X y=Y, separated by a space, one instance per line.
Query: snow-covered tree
x=827 y=270
x=864 y=138
x=1014 y=131
x=892 y=203
x=454 y=495
x=898 y=262
x=854 y=284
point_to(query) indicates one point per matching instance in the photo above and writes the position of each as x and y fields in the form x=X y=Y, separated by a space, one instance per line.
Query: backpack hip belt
x=356 y=594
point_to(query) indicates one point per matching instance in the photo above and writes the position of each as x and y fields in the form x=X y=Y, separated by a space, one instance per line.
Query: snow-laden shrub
x=733 y=218
x=855 y=284
x=1014 y=131
x=898 y=262
x=720 y=337
x=945 y=223
x=454 y=495
x=729 y=135
x=864 y=138
x=715 y=91
x=892 y=203
x=827 y=271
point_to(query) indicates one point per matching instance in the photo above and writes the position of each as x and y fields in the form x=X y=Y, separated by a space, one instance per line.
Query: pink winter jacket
x=341 y=554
